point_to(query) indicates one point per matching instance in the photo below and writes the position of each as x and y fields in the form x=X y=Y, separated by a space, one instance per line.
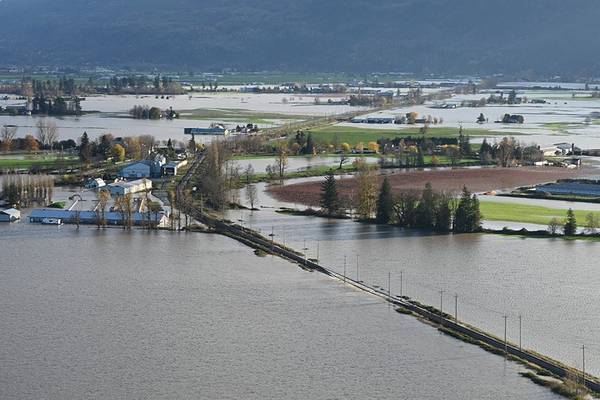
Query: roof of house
x=12 y=212
x=91 y=215
x=128 y=184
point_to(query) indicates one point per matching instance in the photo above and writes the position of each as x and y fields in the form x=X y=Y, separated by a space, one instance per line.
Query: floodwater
x=113 y=116
x=562 y=119
x=552 y=283
x=157 y=315
x=300 y=163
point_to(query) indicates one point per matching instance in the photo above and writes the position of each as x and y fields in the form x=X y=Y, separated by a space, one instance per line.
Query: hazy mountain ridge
x=470 y=36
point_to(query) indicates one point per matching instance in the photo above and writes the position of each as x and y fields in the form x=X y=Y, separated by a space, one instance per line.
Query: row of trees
x=437 y=211
x=106 y=146
x=568 y=226
x=509 y=152
x=146 y=112
x=144 y=84
x=57 y=105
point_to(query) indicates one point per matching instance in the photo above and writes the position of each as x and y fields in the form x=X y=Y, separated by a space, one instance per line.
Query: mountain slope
x=469 y=36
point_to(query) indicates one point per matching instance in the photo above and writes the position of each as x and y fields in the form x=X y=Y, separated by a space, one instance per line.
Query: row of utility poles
x=441 y=292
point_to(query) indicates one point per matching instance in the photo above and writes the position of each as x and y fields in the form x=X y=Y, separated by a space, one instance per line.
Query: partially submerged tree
x=251 y=195
x=591 y=223
x=570 y=227
x=554 y=226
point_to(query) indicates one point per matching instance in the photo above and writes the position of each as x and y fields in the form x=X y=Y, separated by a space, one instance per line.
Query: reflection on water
x=107 y=314
x=552 y=283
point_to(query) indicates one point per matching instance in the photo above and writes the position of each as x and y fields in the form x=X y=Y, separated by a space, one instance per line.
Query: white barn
x=131 y=187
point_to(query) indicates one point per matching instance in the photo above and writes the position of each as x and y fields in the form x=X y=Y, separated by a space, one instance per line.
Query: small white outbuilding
x=10 y=215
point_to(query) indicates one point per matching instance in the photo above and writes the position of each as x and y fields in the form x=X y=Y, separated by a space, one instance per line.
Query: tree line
x=436 y=211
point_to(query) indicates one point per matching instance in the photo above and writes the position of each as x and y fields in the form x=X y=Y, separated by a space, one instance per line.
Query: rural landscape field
x=299 y=200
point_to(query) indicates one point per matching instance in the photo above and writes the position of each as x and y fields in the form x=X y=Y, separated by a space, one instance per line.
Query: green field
x=353 y=135
x=37 y=161
x=512 y=212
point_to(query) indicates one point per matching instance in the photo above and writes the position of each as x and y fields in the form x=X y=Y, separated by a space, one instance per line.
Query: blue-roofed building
x=158 y=219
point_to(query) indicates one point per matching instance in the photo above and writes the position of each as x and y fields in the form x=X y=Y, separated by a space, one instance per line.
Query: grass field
x=36 y=161
x=353 y=135
x=510 y=212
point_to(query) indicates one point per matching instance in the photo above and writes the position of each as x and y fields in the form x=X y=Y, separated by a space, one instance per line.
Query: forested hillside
x=466 y=36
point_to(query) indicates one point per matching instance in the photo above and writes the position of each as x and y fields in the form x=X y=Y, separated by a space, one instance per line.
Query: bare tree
x=147 y=143
x=554 y=225
x=47 y=132
x=251 y=195
x=103 y=199
x=7 y=135
x=249 y=173
x=281 y=162
x=591 y=223
x=343 y=159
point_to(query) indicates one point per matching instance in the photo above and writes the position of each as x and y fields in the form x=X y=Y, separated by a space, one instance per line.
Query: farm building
x=10 y=215
x=144 y=169
x=130 y=187
x=157 y=219
x=171 y=168
x=95 y=183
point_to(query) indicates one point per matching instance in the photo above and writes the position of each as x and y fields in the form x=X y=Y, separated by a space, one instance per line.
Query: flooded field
x=551 y=283
x=265 y=109
x=561 y=119
x=199 y=316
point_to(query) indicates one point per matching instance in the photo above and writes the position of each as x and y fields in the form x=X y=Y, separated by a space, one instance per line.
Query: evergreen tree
x=443 y=214
x=385 y=203
x=485 y=152
x=84 y=148
x=426 y=208
x=467 y=217
x=329 y=198
x=570 y=227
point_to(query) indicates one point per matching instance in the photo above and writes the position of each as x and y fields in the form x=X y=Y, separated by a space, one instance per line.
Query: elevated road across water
x=446 y=323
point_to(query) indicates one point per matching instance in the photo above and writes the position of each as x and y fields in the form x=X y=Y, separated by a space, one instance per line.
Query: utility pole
x=520 y=344
x=317 y=251
x=583 y=363
x=456 y=308
x=344 y=269
x=441 y=307
x=505 y=342
x=305 y=249
x=401 y=283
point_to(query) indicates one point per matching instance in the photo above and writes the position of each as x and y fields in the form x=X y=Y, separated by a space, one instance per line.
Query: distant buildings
x=10 y=215
x=217 y=130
